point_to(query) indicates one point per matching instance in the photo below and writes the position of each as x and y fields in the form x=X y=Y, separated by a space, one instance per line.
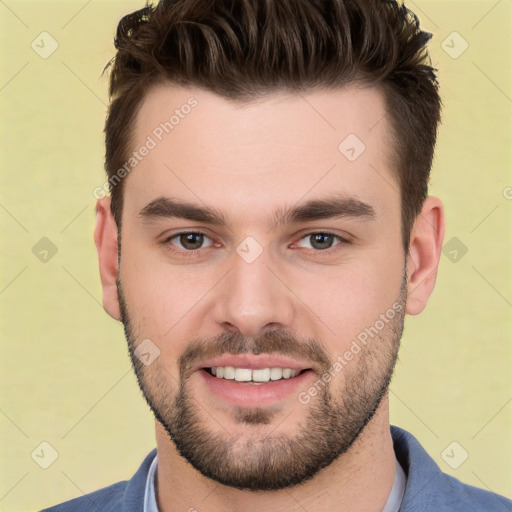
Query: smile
x=252 y=375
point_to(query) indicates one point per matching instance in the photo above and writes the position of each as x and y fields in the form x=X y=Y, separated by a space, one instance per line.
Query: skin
x=248 y=160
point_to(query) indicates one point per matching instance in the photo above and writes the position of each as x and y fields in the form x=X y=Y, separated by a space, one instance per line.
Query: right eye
x=187 y=241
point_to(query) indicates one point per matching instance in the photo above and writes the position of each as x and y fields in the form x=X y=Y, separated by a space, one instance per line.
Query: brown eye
x=321 y=241
x=191 y=241
x=188 y=241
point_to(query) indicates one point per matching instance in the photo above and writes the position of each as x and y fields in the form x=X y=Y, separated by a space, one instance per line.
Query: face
x=263 y=265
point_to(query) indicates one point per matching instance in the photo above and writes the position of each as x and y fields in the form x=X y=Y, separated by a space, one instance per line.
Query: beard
x=257 y=457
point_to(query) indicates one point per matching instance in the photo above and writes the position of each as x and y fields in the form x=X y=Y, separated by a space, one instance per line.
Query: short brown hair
x=242 y=49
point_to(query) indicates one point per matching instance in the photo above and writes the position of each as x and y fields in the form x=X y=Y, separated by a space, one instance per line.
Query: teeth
x=276 y=373
x=229 y=372
x=287 y=373
x=243 y=374
x=261 y=375
x=248 y=375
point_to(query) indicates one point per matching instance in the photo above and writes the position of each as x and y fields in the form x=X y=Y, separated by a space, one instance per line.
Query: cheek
x=350 y=298
x=165 y=301
x=161 y=301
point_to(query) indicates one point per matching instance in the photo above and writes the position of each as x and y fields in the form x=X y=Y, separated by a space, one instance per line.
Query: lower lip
x=250 y=394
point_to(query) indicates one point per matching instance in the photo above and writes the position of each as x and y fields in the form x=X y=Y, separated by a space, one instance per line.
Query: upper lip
x=253 y=362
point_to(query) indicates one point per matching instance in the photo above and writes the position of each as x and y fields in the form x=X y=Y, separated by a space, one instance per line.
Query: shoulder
x=124 y=496
x=428 y=488
x=107 y=499
x=465 y=497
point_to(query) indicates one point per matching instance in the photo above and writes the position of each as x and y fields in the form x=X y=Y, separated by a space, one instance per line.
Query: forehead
x=274 y=150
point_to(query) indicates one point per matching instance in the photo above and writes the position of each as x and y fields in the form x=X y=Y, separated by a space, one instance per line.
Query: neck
x=359 y=480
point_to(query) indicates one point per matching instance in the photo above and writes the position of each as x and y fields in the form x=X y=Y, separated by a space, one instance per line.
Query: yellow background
x=65 y=373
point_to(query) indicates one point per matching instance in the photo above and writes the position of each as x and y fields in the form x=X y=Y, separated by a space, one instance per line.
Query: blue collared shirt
x=427 y=488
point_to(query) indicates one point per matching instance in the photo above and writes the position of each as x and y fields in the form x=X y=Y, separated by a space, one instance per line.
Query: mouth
x=254 y=381
x=253 y=375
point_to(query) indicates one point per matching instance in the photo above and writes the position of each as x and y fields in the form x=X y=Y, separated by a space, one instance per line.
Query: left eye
x=190 y=241
x=321 y=241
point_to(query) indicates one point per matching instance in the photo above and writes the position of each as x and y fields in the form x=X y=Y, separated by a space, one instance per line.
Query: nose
x=252 y=298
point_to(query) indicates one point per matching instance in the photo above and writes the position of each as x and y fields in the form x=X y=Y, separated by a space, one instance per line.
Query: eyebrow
x=337 y=206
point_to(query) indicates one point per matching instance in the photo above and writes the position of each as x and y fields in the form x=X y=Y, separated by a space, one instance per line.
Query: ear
x=425 y=246
x=105 y=238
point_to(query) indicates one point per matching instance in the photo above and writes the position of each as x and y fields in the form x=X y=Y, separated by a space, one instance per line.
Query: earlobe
x=105 y=238
x=425 y=247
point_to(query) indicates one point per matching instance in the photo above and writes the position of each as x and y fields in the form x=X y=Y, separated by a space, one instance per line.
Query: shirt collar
x=149 y=494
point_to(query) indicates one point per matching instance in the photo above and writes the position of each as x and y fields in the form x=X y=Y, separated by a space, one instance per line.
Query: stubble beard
x=257 y=458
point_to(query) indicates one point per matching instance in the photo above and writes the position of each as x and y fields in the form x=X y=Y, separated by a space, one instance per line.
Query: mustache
x=272 y=342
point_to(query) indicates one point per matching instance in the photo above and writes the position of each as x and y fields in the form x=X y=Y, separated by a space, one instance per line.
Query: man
x=267 y=230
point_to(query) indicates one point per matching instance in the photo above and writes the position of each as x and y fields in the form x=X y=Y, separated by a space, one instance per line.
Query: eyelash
x=195 y=252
